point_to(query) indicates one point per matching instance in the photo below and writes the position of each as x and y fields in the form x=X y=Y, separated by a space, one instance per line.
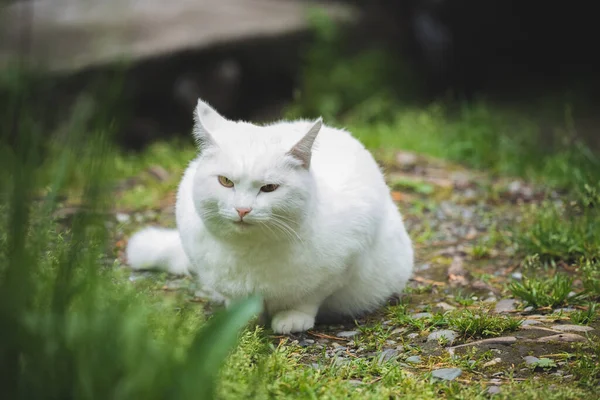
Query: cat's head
x=253 y=180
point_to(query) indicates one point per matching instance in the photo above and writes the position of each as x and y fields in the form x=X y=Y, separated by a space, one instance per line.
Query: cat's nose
x=242 y=212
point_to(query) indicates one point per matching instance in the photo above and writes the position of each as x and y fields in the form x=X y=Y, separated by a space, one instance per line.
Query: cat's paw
x=285 y=322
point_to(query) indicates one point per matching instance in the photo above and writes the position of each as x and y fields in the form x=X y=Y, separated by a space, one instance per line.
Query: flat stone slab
x=69 y=35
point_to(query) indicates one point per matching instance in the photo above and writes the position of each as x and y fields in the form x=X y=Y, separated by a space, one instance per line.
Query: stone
x=445 y=306
x=572 y=328
x=406 y=160
x=412 y=335
x=505 y=306
x=447 y=334
x=490 y=363
x=422 y=315
x=529 y=322
x=122 y=217
x=387 y=355
x=530 y=360
x=413 y=360
x=159 y=173
x=446 y=374
x=347 y=334
x=563 y=337
x=492 y=390
x=517 y=276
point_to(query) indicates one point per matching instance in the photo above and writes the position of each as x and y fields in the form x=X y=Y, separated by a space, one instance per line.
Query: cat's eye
x=225 y=182
x=269 y=188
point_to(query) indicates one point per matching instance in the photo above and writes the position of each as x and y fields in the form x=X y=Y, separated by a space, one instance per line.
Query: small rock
x=159 y=173
x=446 y=374
x=336 y=345
x=413 y=360
x=505 y=306
x=530 y=360
x=412 y=335
x=398 y=331
x=445 y=306
x=406 y=160
x=122 y=217
x=563 y=337
x=528 y=322
x=347 y=334
x=387 y=355
x=422 y=315
x=528 y=309
x=565 y=310
x=492 y=390
x=517 y=276
x=492 y=362
x=572 y=328
x=447 y=334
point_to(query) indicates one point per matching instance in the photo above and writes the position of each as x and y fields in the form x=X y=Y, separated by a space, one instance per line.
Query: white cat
x=294 y=211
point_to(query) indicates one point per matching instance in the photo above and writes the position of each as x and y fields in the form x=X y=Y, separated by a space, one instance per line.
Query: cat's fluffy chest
x=277 y=272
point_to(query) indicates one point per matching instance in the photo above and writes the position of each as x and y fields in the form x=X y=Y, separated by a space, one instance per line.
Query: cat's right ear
x=206 y=119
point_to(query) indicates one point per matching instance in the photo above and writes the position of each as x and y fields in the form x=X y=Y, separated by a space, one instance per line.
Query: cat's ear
x=302 y=150
x=206 y=119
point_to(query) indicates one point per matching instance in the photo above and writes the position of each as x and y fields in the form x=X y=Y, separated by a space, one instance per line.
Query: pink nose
x=242 y=212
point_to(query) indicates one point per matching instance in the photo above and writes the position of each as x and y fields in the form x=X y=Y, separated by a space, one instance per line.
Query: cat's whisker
x=287 y=229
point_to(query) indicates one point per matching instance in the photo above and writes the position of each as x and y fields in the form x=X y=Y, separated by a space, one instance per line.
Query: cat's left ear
x=206 y=120
x=302 y=150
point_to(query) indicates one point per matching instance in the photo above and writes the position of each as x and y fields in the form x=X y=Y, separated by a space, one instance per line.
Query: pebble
x=529 y=360
x=446 y=374
x=412 y=335
x=565 y=309
x=387 y=355
x=347 y=334
x=563 y=337
x=492 y=390
x=406 y=160
x=413 y=360
x=572 y=328
x=505 y=305
x=528 y=309
x=422 y=315
x=445 y=306
x=449 y=335
x=122 y=217
x=336 y=345
x=517 y=276
x=528 y=322
x=492 y=362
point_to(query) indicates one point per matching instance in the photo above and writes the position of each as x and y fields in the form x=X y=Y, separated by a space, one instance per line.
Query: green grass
x=73 y=326
x=546 y=292
x=481 y=323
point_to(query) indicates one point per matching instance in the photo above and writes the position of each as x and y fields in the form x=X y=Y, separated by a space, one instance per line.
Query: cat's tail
x=157 y=249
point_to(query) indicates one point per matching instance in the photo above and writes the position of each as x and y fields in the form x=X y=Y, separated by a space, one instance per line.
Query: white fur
x=330 y=238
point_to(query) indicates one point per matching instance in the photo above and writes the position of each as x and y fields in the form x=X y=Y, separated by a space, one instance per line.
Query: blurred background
x=483 y=114
x=266 y=59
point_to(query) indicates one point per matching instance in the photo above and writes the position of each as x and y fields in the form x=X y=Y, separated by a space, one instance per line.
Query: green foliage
x=481 y=323
x=337 y=81
x=72 y=326
x=585 y=317
x=562 y=232
x=544 y=363
x=585 y=366
x=546 y=292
